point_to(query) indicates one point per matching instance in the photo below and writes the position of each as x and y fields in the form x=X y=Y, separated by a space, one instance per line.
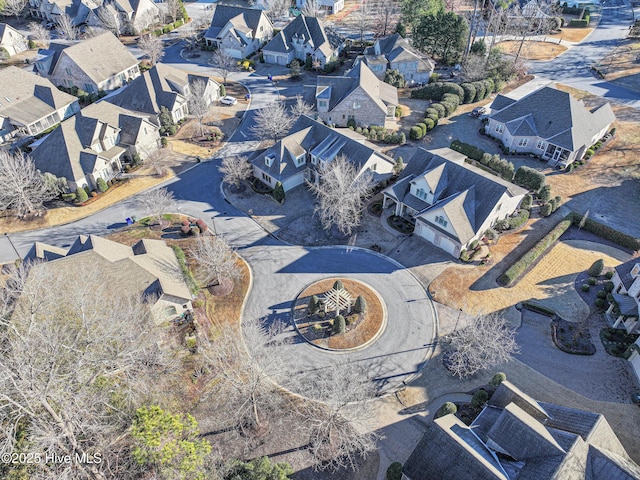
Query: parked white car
x=228 y=100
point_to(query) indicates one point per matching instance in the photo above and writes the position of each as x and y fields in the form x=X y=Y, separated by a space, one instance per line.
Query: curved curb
x=358 y=348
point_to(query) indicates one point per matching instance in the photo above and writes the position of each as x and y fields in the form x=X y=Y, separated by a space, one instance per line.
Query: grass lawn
x=550 y=282
x=572 y=34
x=532 y=50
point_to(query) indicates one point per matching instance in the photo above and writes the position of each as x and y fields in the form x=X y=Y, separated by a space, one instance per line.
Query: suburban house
x=51 y=10
x=515 y=436
x=358 y=96
x=11 y=40
x=138 y=15
x=548 y=123
x=163 y=86
x=451 y=202
x=308 y=150
x=302 y=38
x=30 y=104
x=238 y=31
x=81 y=150
x=328 y=6
x=395 y=53
x=148 y=268
x=625 y=311
x=100 y=63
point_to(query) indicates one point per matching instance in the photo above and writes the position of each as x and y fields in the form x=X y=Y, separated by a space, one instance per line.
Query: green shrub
x=526 y=202
x=546 y=209
x=436 y=90
x=469 y=92
x=399 y=111
x=394 y=471
x=452 y=98
x=596 y=268
x=517 y=269
x=439 y=109
x=164 y=141
x=529 y=178
x=278 y=192
x=599 y=302
x=223 y=91
x=585 y=287
x=415 y=133
x=579 y=23
x=429 y=123
x=395 y=78
x=479 y=399
x=519 y=219
x=450 y=107
x=602 y=294
x=545 y=193
x=491 y=235
x=434 y=118
x=470 y=151
x=69 y=197
x=589 y=153
x=340 y=325
x=178 y=23
x=592 y=281
x=82 y=195
x=314 y=305
x=102 y=185
x=351 y=123
x=338 y=285
x=609 y=233
x=497 y=379
x=446 y=409
x=422 y=127
x=361 y=305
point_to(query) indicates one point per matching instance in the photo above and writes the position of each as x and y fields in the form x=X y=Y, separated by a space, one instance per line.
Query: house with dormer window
x=238 y=31
x=302 y=38
x=358 y=96
x=308 y=150
x=450 y=202
x=624 y=312
x=548 y=123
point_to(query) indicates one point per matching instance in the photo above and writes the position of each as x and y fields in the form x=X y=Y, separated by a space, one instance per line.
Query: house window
x=440 y=219
x=374 y=167
x=322 y=104
x=356 y=105
x=499 y=128
x=68 y=70
x=523 y=142
x=300 y=160
x=498 y=207
x=88 y=88
x=540 y=145
x=420 y=193
x=266 y=178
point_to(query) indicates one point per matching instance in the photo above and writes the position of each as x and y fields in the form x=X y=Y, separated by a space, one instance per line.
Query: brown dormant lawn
x=532 y=50
x=572 y=34
x=550 y=282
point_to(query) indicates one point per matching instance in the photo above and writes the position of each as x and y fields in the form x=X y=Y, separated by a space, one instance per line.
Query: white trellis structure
x=336 y=300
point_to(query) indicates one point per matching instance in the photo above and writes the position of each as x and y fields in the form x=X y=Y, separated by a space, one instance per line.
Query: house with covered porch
x=624 y=312
x=450 y=202
x=548 y=123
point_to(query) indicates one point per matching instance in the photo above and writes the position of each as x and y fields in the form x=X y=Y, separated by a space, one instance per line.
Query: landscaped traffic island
x=339 y=314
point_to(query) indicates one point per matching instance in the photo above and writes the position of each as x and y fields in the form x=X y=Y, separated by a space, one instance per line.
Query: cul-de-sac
x=319 y=239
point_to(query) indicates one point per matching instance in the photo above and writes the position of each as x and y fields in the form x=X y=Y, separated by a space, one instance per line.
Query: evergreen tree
x=278 y=192
x=360 y=305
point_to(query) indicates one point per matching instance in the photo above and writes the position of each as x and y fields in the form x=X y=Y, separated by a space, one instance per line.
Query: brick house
x=238 y=31
x=359 y=96
x=12 y=40
x=626 y=293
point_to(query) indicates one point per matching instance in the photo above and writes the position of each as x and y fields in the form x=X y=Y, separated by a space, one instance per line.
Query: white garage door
x=282 y=60
x=233 y=53
x=292 y=182
x=426 y=233
x=270 y=58
x=447 y=245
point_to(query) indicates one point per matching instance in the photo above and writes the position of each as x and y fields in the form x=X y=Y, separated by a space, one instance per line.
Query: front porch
x=556 y=155
x=623 y=314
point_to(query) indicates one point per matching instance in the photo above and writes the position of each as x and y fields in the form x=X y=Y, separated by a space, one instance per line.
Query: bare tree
x=341 y=193
x=363 y=18
x=173 y=8
x=301 y=108
x=13 y=8
x=215 y=260
x=474 y=67
x=235 y=170
x=310 y=8
x=110 y=19
x=72 y=371
x=22 y=187
x=277 y=8
x=486 y=342
x=198 y=104
x=203 y=20
x=249 y=362
x=224 y=64
x=272 y=121
x=39 y=34
x=191 y=35
x=339 y=419
x=157 y=160
x=386 y=17
x=65 y=27
x=152 y=47
x=157 y=202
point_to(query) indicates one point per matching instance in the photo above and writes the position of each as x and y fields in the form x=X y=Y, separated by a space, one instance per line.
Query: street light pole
x=14 y=247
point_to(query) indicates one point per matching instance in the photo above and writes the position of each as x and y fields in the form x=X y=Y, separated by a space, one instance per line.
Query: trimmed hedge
x=470 y=151
x=436 y=90
x=609 y=233
x=415 y=133
x=579 y=23
x=536 y=307
x=519 y=219
x=529 y=178
x=516 y=270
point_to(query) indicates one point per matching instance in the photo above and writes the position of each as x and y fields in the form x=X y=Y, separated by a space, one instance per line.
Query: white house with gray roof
x=624 y=313
x=100 y=63
x=451 y=202
x=359 y=96
x=548 y=123
x=308 y=150
x=148 y=268
x=12 y=40
x=30 y=104
x=395 y=53
x=238 y=31
x=517 y=437
x=327 y=6
x=303 y=37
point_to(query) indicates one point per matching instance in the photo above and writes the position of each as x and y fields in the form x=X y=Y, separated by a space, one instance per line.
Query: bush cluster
x=520 y=266
x=609 y=233
x=530 y=178
x=381 y=134
x=395 y=78
x=494 y=163
x=476 y=91
x=436 y=90
x=584 y=23
x=596 y=268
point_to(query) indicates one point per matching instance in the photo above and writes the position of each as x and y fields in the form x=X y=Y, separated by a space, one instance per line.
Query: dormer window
x=441 y=220
x=356 y=105
x=300 y=160
x=635 y=271
x=269 y=159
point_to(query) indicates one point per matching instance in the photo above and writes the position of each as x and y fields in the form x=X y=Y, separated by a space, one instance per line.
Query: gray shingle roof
x=555 y=116
x=4 y=33
x=26 y=97
x=395 y=48
x=247 y=17
x=309 y=28
x=130 y=123
x=99 y=57
x=624 y=272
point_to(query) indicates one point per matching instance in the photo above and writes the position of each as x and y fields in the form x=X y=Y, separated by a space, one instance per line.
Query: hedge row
x=476 y=91
x=579 y=23
x=609 y=233
x=493 y=162
x=530 y=178
x=535 y=307
x=466 y=92
x=516 y=270
x=470 y=151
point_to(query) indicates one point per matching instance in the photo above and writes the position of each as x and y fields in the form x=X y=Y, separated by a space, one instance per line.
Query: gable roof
x=130 y=123
x=27 y=97
x=99 y=57
x=507 y=443
x=150 y=267
x=310 y=29
x=244 y=19
x=466 y=193
x=624 y=272
x=6 y=31
x=338 y=88
x=308 y=135
x=554 y=116
x=395 y=48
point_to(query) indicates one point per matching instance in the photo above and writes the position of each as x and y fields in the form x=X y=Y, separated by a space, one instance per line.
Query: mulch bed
x=571 y=337
x=616 y=341
x=361 y=328
x=591 y=295
x=400 y=224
